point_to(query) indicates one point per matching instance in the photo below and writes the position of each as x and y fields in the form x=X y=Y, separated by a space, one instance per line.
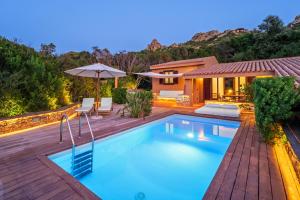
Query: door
x=207 y=88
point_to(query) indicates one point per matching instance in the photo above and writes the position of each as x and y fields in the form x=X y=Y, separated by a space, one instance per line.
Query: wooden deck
x=249 y=170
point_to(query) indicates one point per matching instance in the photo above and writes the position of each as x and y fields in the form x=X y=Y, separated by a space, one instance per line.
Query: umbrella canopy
x=157 y=75
x=97 y=70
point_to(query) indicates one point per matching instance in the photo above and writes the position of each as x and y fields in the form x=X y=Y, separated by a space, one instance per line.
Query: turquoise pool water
x=172 y=158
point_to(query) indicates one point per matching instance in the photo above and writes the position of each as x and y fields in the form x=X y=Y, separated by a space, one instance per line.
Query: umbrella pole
x=97 y=94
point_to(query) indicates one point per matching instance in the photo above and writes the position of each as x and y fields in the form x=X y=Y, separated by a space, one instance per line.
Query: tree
x=48 y=49
x=271 y=25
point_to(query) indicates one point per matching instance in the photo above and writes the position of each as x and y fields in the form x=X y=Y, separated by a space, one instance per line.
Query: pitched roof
x=185 y=63
x=289 y=66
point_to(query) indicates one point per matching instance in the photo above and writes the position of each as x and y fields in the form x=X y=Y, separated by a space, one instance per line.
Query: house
x=206 y=79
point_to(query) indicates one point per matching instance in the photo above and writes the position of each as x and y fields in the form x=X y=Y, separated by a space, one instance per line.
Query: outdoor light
x=185 y=122
x=190 y=135
x=201 y=135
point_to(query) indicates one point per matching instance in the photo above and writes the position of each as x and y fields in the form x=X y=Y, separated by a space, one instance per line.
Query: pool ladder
x=81 y=163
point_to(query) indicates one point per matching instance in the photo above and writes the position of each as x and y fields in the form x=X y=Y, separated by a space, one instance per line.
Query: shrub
x=11 y=106
x=128 y=82
x=273 y=100
x=248 y=92
x=139 y=104
x=119 y=95
x=105 y=89
x=245 y=106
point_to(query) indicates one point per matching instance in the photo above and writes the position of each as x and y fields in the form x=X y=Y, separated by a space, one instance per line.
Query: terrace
x=250 y=169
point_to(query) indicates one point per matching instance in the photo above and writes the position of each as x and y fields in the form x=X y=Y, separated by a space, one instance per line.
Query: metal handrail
x=62 y=127
x=91 y=131
x=89 y=125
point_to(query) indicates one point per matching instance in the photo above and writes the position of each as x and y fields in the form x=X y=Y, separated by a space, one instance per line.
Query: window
x=229 y=86
x=168 y=81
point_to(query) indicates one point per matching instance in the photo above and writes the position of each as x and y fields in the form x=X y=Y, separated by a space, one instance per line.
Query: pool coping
x=83 y=190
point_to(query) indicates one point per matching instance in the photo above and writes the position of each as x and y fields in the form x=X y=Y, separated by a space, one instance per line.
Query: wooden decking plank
x=20 y=174
x=265 y=191
x=242 y=175
x=25 y=167
x=252 y=179
x=35 y=188
x=17 y=196
x=22 y=181
x=63 y=195
x=230 y=176
x=277 y=186
x=215 y=185
x=52 y=190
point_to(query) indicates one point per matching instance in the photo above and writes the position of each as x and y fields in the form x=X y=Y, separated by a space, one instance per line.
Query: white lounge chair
x=106 y=105
x=226 y=110
x=86 y=106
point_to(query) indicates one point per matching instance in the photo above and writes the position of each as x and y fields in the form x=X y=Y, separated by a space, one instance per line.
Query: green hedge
x=274 y=99
x=119 y=95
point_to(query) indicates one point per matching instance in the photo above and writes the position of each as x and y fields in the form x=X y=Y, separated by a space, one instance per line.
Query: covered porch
x=221 y=88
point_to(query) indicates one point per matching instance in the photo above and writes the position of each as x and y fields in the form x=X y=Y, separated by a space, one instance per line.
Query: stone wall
x=294 y=159
x=31 y=120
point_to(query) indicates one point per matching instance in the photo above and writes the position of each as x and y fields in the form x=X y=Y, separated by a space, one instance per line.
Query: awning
x=157 y=75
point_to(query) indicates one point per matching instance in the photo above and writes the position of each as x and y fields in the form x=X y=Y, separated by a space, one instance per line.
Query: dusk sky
x=75 y=25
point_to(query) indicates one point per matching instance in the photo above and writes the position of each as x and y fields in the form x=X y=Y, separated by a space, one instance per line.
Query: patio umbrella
x=98 y=71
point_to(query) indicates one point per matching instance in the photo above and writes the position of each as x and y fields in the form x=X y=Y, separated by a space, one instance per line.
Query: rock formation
x=154 y=45
x=296 y=22
x=174 y=45
x=199 y=37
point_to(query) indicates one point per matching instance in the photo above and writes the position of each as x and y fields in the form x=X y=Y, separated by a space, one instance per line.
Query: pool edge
x=83 y=190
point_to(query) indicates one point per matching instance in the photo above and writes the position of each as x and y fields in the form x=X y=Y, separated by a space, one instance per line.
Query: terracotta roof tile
x=185 y=63
x=289 y=66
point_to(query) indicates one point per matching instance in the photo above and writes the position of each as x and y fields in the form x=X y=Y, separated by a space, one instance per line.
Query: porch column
x=188 y=89
x=116 y=82
x=239 y=86
x=218 y=89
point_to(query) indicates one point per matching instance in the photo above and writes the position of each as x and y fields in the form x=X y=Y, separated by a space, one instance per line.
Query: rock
x=233 y=32
x=199 y=37
x=295 y=23
x=154 y=45
x=174 y=45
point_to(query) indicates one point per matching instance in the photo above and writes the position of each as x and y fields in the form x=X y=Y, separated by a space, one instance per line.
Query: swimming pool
x=175 y=158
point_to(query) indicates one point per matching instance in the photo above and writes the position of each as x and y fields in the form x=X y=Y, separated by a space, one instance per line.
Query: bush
x=128 y=82
x=11 y=106
x=105 y=89
x=248 y=92
x=274 y=99
x=139 y=104
x=119 y=95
